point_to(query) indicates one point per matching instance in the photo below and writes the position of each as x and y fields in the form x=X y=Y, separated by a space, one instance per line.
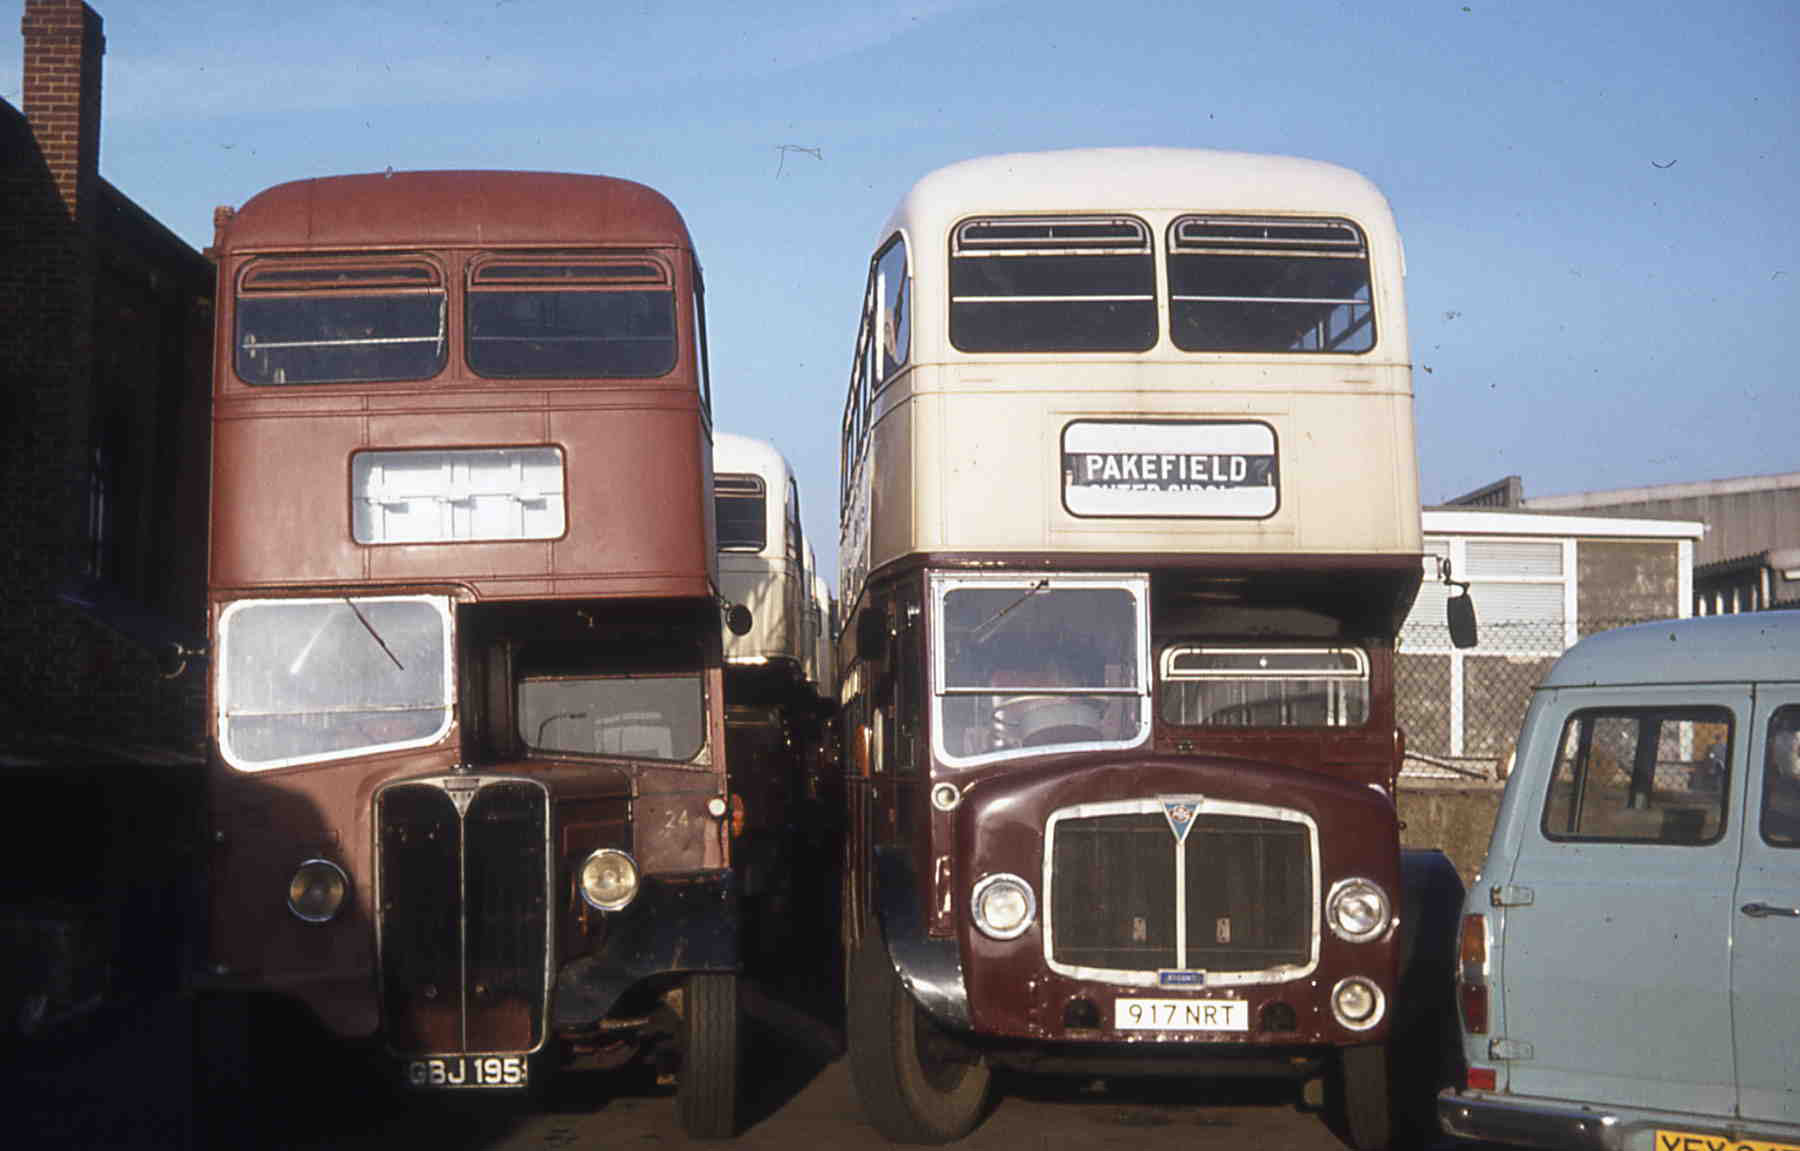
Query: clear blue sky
x=1599 y=199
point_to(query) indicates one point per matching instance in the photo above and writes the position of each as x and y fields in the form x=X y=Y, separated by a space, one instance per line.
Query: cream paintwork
x=770 y=584
x=821 y=670
x=964 y=452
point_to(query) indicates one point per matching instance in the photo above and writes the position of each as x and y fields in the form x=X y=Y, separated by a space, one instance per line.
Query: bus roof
x=1139 y=179
x=427 y=209
x=1756 y=646
x=734 y=453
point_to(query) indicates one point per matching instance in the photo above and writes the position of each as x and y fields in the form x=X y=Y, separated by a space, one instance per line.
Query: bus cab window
x=1031 y=665
x=303 y=680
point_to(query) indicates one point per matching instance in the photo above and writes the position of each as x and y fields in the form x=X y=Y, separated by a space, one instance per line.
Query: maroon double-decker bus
x=468 y=790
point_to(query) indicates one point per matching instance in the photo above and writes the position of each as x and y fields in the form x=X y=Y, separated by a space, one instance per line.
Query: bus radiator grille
x=464 y=925
x=1115 y=902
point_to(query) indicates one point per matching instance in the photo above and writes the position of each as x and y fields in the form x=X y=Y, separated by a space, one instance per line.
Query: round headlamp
x=609 y=879
x=1357 y=910
x=1357 y=1003
x=318 y=890
x=1003 y=906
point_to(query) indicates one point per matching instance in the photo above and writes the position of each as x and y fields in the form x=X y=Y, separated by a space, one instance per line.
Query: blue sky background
x=1598 y=199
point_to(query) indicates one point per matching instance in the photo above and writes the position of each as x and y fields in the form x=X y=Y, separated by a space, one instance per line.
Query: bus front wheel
x=706 y=1092
x=914 y=1084
x=1362 y=1103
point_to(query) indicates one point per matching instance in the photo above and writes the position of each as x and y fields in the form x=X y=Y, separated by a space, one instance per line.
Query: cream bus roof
x=1138 y=179
x=741 y=454
x=749 y=456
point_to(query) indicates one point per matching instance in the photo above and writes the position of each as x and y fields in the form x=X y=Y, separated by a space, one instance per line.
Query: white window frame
x=943 y=583
x=222 y=688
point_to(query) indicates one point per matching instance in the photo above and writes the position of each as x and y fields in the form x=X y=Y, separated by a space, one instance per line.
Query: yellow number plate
x=1690 y=1141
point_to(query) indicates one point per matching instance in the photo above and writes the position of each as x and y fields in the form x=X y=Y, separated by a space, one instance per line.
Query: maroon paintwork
x=1342 y=778
x=638 y=452
x=638 y=465
x=999 y=828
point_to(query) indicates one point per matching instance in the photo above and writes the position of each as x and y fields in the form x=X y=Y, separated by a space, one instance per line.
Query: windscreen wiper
x=364 y=620
x=986 y=628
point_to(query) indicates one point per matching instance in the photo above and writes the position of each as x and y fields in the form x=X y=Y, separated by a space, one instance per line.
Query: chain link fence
x=1461 y=708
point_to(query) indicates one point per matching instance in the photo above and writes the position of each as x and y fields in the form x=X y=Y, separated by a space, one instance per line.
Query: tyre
x=1425 y=1038
x=706 y=1092
x=912 y=1090
x=1361 y=1102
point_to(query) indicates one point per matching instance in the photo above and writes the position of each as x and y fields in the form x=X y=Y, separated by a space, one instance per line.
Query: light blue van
x=1629 y=975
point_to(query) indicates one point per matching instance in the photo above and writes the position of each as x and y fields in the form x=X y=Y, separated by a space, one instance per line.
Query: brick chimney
x=63 y=47
x=52 y=216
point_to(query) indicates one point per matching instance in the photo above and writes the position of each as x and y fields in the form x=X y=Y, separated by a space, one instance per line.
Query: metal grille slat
x=420 y=912
x=504 y=878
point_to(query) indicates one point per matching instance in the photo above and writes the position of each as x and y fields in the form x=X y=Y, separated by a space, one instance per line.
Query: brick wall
x=81 y=259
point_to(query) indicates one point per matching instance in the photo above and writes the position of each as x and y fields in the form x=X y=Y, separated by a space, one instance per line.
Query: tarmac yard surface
x=121 y=1079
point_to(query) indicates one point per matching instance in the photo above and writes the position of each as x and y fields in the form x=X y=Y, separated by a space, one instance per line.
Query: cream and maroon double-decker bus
x=1130 y=520
x=469 y=796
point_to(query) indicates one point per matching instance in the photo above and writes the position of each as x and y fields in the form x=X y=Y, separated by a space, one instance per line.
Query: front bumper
x=1526 y=1123
x=1556 y=1124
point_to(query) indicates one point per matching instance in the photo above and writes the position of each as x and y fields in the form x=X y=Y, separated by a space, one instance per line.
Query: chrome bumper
x=1527 y=1124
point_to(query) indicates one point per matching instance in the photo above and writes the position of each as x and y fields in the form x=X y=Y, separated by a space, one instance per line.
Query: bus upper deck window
x=570 y=317
x=1238 y=284
x=1052 y=284
x=350 y=320
x=741 y=512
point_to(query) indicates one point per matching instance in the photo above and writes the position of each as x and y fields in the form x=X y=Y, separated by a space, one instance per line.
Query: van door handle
x=1764 y=911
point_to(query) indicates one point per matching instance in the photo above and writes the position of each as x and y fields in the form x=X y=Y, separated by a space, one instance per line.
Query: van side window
x=1641 y=775
x=1781 y=780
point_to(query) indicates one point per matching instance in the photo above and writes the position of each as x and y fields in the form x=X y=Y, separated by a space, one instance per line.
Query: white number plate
x=1181 y=1015
x=452 y=1071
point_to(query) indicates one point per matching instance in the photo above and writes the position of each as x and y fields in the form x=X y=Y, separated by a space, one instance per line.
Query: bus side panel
x=281 y=500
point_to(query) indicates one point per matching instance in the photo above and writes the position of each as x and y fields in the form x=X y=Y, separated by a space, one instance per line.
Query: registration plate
x=1181 y=1015
x=1691 y=1141
x=453 y=1071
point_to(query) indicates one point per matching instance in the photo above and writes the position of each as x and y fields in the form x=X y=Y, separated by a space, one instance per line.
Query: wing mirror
x=1459 y=609
x=738 y=619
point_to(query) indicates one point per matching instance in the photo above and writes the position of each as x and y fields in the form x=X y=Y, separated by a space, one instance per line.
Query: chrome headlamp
x=1003 y=906
x=1357 y=1003
x=609 y=879
x=1358 y=910
x=317 y=891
